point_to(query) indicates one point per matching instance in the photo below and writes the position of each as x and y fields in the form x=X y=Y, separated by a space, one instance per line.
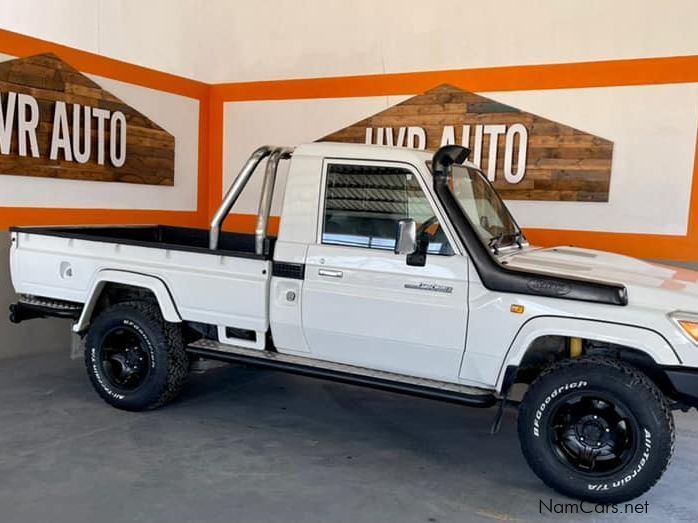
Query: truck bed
x=226 y=287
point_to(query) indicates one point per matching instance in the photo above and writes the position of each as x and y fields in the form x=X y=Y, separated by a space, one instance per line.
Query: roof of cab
x=360 y=151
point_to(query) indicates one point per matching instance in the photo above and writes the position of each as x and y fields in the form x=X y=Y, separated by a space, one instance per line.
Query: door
x=362 y=304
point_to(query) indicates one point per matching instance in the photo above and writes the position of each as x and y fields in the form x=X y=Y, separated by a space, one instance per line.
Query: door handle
x=330 y=273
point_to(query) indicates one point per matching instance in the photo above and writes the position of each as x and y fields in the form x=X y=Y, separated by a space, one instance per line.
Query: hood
x=659 y=285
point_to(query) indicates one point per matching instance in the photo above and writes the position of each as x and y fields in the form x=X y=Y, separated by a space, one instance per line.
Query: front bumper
x=684 y=383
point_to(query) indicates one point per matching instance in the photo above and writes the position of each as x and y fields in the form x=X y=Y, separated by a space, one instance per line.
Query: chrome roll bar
x=260 y=234
x=275 y=155
x=234 y=192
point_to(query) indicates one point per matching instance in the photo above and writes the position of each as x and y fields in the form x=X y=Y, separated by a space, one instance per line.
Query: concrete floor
x=259 y=446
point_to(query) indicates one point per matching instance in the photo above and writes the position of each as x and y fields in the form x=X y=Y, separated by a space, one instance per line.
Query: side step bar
x=426 y=388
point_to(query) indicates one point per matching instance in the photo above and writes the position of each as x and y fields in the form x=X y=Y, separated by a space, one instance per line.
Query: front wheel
x=596 y=429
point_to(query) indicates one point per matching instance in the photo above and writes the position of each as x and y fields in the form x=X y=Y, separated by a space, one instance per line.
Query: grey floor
x=245 y=445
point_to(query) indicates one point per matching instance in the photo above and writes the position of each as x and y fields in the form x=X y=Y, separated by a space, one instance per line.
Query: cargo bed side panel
x=209 y=288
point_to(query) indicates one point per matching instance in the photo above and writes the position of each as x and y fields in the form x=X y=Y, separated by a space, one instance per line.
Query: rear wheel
x=134 y=358
x=596 y=429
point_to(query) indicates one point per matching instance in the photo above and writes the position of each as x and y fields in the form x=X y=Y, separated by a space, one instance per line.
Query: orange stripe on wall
x=248 y=222
x=206 y=128
x=645 y=71
x=215 y=153
x=21 y=45
x=693 y=205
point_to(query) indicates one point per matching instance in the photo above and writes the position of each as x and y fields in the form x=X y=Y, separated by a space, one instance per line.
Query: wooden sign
x=56 y=122
x=527 y=157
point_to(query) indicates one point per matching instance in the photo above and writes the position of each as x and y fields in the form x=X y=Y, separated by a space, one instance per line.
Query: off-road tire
x=168 y=363
x=633 y=391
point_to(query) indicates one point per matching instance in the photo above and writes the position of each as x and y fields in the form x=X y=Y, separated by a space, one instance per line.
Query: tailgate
x=47 y=266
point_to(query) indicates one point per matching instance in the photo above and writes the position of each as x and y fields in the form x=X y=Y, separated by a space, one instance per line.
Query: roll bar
x=275 y=154
x=281 y=153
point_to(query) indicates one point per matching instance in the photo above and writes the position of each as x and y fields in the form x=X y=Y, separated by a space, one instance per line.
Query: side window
x=364 y=203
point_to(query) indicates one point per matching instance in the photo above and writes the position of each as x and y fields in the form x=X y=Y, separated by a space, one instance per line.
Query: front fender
x=132 y=279
x=645 y=340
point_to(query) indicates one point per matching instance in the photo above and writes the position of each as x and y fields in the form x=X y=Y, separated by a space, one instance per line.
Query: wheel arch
x=141 y=284
x=646 y=347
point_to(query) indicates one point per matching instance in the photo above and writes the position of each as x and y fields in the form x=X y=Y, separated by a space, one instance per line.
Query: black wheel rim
x=124 y=360
x=593 y=434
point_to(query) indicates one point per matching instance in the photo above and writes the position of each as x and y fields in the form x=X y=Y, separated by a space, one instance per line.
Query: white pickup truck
x=397 y=270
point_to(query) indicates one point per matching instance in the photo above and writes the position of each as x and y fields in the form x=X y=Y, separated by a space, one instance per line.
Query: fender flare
x=132 y=279
x=648 y=341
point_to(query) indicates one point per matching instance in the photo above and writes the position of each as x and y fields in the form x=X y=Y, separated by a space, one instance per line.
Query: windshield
x=483 y=207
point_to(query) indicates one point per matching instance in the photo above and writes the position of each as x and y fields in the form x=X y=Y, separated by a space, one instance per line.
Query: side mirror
x=406 y=238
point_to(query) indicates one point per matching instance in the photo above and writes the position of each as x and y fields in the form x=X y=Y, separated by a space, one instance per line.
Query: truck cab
x=360 y=303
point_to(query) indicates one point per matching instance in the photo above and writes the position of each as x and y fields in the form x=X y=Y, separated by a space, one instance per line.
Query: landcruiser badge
x=429 y=287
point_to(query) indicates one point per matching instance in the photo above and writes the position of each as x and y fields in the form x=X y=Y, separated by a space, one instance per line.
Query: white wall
x=227 y=41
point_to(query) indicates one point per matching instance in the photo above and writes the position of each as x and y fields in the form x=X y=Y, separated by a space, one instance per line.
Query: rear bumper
x=22 y=311
x=684 y=383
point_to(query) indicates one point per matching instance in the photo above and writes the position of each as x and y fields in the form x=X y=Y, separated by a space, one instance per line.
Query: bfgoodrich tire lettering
x=134 y=358
x=627 y=423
